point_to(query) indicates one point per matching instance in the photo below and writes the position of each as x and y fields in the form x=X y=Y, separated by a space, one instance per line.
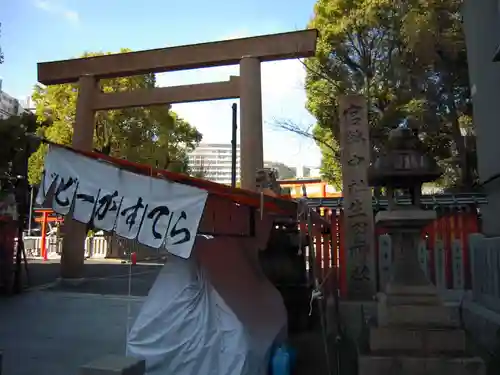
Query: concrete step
x=394 y=300
x=417 y=340
x=408 y=365
x=419 y=316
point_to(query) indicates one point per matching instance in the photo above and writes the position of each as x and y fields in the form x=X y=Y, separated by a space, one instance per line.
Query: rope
x=304 y=210
x=317 y=294
x=127 y=333
x=330 y=272
x=261 y=205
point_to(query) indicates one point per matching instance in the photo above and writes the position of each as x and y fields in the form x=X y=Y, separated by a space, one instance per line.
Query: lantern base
x=404 y=218
x=407 y=278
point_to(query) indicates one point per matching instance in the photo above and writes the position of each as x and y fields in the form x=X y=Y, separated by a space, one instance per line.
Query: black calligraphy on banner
x=156 y=223
x=178 y=233
x=155 y=215
x=106 y=204
x=64 y=194
x=86 y=198
x=162 y=225
x=48 y=180
x=130 y=213
x=85 y=202
x=106 y=210
x=61 y=195
x=130 y=217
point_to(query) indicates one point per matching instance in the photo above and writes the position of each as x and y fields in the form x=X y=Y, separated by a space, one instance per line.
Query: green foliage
x=330 y=150
x=154 y=135
x=408 y=59
x=15 y=146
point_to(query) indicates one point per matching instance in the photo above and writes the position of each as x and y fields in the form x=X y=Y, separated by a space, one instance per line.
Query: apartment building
x=213 y=162
x=10 y=106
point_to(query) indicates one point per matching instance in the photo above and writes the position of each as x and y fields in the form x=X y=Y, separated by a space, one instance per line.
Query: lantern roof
x=405 y=164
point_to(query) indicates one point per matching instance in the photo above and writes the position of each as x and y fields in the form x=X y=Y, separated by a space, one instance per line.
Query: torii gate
x=247 y=52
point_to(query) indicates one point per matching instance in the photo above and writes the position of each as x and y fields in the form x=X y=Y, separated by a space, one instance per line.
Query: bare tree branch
x=319 y=73
x=289 y=126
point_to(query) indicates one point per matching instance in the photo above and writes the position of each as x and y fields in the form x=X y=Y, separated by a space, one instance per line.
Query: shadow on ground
x=312 y=356
x=100 y=277
x=59 y=328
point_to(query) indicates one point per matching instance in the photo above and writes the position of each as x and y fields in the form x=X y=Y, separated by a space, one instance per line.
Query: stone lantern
x=404 y=167
x=415 y=332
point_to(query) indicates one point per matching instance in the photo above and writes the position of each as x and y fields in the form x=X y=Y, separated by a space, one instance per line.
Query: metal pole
x=31 y=211
x=233 y=145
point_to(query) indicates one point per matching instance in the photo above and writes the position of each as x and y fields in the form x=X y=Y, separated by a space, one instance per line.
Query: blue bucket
x=283 y=360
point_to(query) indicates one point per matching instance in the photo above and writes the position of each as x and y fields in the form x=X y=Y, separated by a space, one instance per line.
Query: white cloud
x=57 y=8
x=283 y=97
x=72 y=16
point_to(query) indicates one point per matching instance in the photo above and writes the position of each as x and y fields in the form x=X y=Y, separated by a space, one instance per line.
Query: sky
x=46 y=30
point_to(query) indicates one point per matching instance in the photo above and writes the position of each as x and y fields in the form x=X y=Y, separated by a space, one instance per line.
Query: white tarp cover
x=199 y=320
x=158 y=213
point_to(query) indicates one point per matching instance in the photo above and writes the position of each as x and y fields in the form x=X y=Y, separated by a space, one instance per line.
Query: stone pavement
x=48 y=333
x=96 y=272
x=53 y=330
x=54 y=333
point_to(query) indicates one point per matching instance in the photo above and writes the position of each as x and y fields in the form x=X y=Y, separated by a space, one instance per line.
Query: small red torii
x=47 y=216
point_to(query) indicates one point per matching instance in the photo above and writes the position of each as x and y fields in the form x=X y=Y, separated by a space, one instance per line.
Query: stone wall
x=481 y=28
x=481 y=306
x=482 y=324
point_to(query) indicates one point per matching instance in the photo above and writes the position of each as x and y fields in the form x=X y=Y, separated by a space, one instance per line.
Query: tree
x=432 y=31
x=358 y=52
x=15 y=148
x=378 y=49
x=154 y=135
x=175 y=139
x=343 y=64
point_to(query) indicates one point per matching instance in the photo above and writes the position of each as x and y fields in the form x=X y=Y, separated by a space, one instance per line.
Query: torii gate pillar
x=251 y=147
x=73 y=252
x=248 y=52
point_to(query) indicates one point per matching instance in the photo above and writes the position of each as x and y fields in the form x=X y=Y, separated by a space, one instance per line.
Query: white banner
x=159 y=213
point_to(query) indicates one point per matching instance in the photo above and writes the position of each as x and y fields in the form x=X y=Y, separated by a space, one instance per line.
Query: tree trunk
x=458 y=138
x=461 y=148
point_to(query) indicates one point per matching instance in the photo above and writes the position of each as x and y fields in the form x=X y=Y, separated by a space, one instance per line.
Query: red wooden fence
x=450 y=225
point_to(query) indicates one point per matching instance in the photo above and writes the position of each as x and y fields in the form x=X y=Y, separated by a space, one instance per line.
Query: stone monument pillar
x=415 y=333
x=358 y=207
